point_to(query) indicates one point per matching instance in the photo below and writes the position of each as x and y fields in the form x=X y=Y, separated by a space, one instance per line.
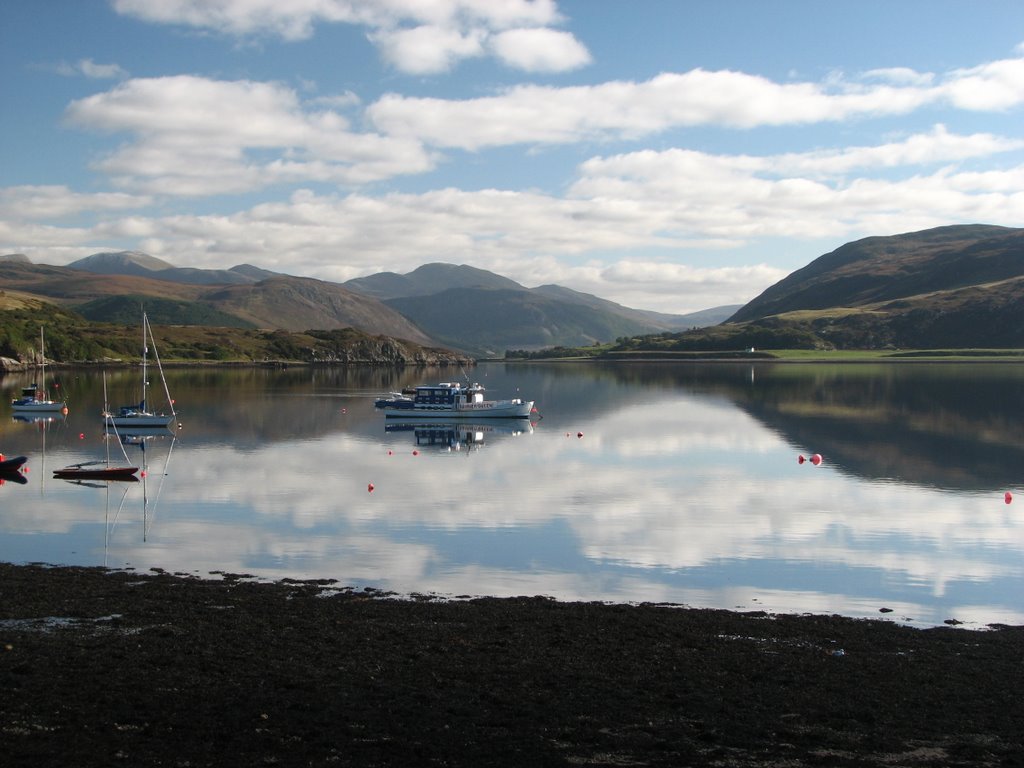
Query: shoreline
x=10 y=366
x=101 y=666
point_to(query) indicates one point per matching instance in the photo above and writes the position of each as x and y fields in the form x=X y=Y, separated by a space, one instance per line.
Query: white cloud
x=631 y=110
x=426 y=49
x=996 y=86
x=296 y=19
x=57 y=202
x=418 y=38
x=938 y=146
x=194 y=136
x=688 y=193
x=540 y=50
x=901 y=76
x=89 y=68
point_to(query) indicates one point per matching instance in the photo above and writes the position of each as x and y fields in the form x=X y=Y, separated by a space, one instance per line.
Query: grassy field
x=788 y=355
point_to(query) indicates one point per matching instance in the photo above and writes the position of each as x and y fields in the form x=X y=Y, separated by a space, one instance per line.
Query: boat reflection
x=135 y=435
x=144 y=438
x=39 y=418
x=12 y=476
x=43 y=422
x=455 y=436
x=97 y=479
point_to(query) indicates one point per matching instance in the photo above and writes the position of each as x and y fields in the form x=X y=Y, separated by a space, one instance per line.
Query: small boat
x=100 y=470
x=34 y=398
x=138 y=414
x=96 y=470
x=451 y=400
x=12 y=464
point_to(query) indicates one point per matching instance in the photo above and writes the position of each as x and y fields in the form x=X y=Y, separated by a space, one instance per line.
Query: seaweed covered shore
x=101 y=668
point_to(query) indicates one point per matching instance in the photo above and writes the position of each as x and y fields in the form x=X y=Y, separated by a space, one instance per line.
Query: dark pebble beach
x=118 y=668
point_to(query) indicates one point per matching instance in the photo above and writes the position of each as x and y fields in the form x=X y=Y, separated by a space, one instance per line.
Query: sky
x=669 y=155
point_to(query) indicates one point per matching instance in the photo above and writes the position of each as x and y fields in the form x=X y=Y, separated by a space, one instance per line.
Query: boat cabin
x=447 y=393
x=30 y=393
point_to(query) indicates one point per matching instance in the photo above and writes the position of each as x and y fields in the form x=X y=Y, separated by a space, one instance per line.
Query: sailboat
x=34 y=398
x=99 y=470
x=138 y=415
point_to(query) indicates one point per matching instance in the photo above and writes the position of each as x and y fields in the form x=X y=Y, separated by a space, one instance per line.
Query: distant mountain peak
x=121 y=262
x=429 y=279
x=253 y=272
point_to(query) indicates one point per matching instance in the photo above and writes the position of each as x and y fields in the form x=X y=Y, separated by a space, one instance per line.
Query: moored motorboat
x=451 y=400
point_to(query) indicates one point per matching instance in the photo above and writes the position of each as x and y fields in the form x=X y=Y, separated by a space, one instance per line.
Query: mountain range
x=956 y=287
x=456 y=306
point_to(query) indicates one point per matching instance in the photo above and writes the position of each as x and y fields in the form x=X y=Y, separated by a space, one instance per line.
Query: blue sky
x=665 y=154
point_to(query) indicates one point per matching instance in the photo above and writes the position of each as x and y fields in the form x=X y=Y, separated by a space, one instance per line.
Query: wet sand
x=102 y=668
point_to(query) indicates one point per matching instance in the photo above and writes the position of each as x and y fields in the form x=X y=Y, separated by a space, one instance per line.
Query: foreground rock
x=100 y=668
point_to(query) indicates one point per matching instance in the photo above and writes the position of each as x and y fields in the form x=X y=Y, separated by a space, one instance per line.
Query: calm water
x=637 y=482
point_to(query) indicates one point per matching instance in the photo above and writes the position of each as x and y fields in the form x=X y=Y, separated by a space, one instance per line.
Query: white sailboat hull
x=39 y=406
x=141 y=421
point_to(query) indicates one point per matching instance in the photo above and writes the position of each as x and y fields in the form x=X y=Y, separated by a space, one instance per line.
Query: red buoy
x=369 y=488
x=579 y=434
x=816 y=459
x=415 y=453
x=1007 y=497
x=800 y=459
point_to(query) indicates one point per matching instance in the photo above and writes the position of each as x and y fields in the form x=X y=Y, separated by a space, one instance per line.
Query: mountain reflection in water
x=667 y=482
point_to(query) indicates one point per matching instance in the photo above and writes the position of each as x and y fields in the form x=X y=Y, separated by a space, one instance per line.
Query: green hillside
x=126 y=310
x=879 y=269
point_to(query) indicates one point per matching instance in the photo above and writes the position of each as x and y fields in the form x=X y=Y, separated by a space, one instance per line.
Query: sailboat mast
x=42 y=365
x=145 y=351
